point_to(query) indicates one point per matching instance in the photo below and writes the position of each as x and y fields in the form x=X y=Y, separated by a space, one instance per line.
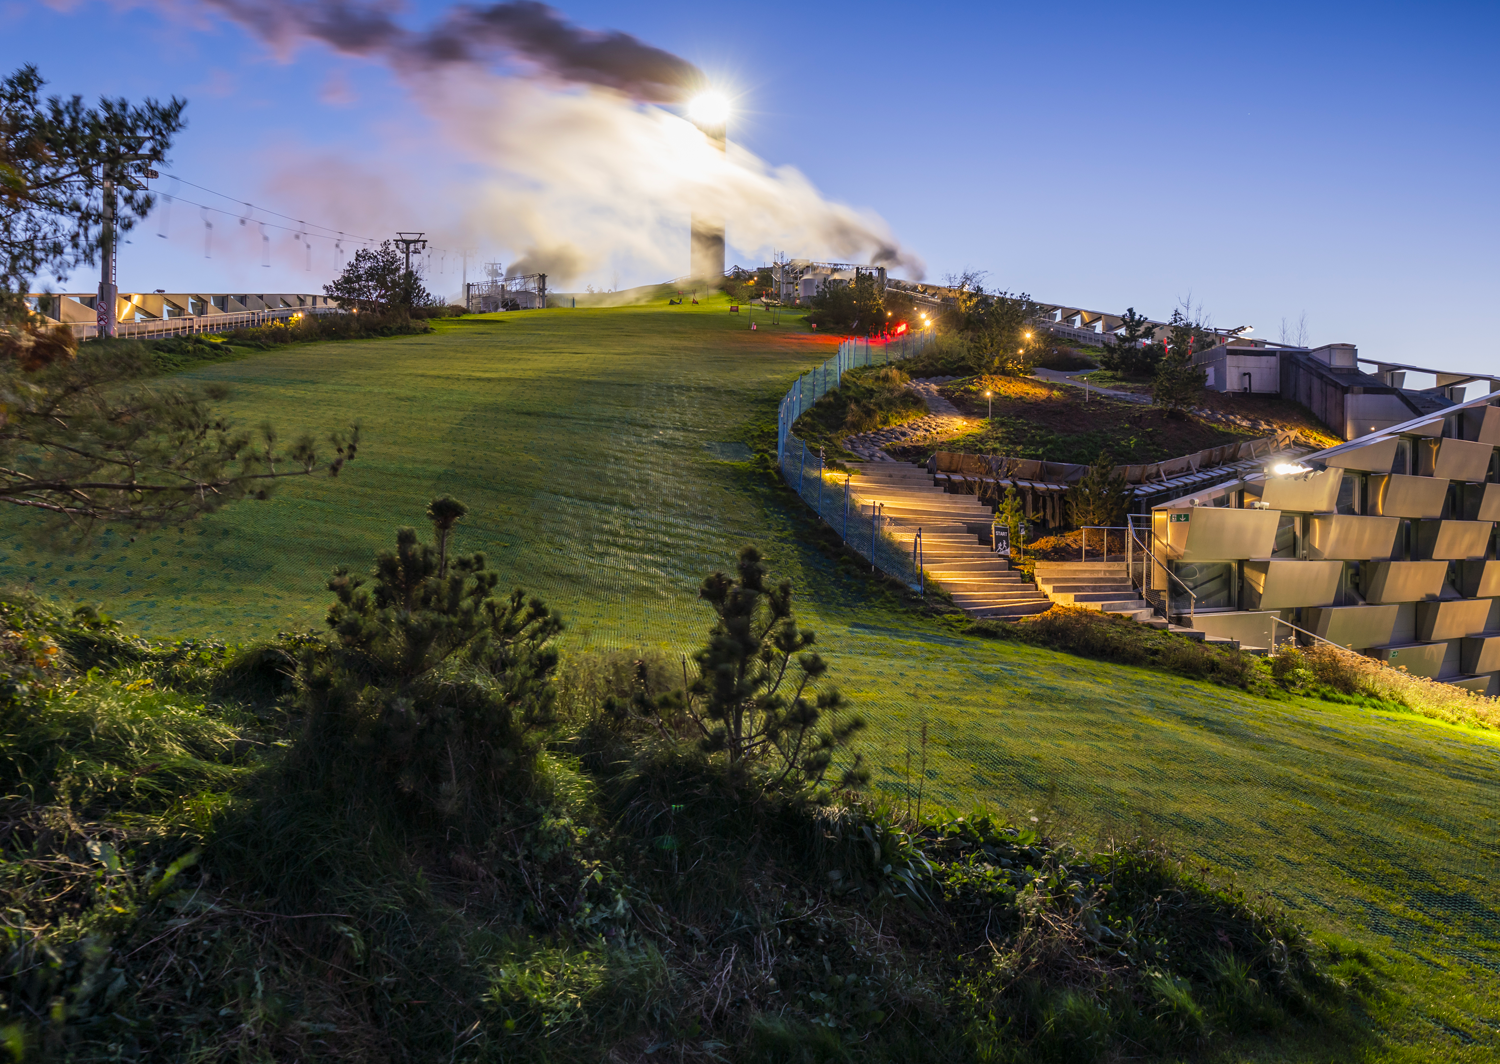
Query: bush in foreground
x=194 y=870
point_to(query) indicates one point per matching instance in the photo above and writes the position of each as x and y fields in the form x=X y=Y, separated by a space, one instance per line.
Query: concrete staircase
x=1106 y=586
x=955 y=529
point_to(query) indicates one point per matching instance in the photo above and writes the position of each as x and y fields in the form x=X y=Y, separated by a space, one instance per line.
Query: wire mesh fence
x=892 y=545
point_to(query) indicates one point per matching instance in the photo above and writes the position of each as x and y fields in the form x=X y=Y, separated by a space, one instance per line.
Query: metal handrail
x=1106 y=529
x=1304 y=631
x=1192 y=597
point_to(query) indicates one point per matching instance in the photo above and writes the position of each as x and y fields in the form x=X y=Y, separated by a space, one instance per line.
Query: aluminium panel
x=1477 y=685
x=1419 y=659
x=1317 y=493
x=1399 y=495
x=1489 y=504
x=1479 y=579
x=1483 y=425
x=1286 y=583
x=1253 y=628
x=1452 y=618
x=1387 y=582
x=1377 y=456
x=1357 y=627
x=1220 y=533
x=1452 y=541
x=1450 y=459
x=1351 y=537
x=1481 y=653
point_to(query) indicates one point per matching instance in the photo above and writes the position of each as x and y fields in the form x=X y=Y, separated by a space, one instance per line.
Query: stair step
x=1112 y=606
x=1084 y=598
x=1020 y=609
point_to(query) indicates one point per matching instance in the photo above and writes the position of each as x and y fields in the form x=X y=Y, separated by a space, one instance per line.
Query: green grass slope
x=587 y=444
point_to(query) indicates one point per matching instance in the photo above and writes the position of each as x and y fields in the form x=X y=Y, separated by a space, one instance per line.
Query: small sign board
x=1002 y=539
x=1176 y=518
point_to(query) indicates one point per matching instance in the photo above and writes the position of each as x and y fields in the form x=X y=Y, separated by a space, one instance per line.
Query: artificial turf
x=589 y=445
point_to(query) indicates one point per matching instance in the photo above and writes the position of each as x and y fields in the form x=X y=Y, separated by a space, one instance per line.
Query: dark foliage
x=378 y=282
x=1130 y=352
x=756 y=703
x=1125 y=642
x=87 y=439
x=436 y=680
x=54 y=158
x=852 y=306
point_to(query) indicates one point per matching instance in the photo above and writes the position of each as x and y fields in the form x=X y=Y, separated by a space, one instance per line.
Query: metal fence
x=892 y=545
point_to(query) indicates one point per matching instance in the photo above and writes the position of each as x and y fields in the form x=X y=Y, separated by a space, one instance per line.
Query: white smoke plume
x=583 y=169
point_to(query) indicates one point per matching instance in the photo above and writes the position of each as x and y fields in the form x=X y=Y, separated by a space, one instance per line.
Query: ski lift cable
x=332 y=233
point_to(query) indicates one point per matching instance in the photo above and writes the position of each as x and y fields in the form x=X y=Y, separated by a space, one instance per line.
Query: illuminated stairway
x=955 y=529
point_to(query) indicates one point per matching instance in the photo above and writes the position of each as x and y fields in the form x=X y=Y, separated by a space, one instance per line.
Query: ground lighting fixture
x=990 y=397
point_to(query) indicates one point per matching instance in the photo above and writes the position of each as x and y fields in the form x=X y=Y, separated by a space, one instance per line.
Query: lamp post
x=990 y=396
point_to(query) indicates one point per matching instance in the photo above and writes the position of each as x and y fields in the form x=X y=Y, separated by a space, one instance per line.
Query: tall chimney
x=707 y=258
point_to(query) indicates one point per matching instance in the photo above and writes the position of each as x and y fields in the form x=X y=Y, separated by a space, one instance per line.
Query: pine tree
x=754 y=704
x=1012 y=515
x=1101 y=498
x=432 y=677
x=1178 y=384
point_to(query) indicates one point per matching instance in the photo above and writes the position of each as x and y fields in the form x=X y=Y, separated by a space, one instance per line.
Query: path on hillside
x=943 y=422
x=1073 y=377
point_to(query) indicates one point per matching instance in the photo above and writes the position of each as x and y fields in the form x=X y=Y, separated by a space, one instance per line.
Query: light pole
x=991 y=397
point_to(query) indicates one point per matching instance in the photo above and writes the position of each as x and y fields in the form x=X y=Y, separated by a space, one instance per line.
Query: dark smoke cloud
x=521 y=29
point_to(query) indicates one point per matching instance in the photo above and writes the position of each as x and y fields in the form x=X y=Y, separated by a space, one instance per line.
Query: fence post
x=820 y=482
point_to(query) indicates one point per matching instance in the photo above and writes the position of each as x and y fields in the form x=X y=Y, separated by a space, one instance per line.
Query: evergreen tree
x=754 y=704
x=433 y=677
x=1101 y=498
x=1012 y=514
x=85 y=438
x=377 y=282
x=1130 y=351
x=54 y=158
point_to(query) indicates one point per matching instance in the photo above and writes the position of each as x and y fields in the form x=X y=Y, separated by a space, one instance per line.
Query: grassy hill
x=590 y=446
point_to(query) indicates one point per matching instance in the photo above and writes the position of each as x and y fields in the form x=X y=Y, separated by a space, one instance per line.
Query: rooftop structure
x=165 y=313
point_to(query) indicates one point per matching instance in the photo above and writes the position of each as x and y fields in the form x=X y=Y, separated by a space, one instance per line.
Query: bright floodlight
x=709 y=109
x=1288 y=470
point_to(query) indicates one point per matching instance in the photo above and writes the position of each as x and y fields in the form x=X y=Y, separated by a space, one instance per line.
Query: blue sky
x=1267 y=161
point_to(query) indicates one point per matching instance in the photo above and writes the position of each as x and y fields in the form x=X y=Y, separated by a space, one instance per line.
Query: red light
x=901 y=328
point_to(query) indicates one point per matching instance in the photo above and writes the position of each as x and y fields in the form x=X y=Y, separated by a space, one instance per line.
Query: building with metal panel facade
x=1386 y=545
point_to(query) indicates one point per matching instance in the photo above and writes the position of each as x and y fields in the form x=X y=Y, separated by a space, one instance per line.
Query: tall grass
x=1349 y=673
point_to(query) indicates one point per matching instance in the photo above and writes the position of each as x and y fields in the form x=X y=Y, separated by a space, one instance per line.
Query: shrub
x=1123 y=641
x=1354 y=675
x=431 y=676
x=755 y=704
x=1065 y=359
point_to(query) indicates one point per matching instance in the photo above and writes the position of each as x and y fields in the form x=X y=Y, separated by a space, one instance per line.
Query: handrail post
x=845 y=533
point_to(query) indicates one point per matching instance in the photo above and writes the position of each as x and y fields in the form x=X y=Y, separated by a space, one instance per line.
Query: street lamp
x=990 y=396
